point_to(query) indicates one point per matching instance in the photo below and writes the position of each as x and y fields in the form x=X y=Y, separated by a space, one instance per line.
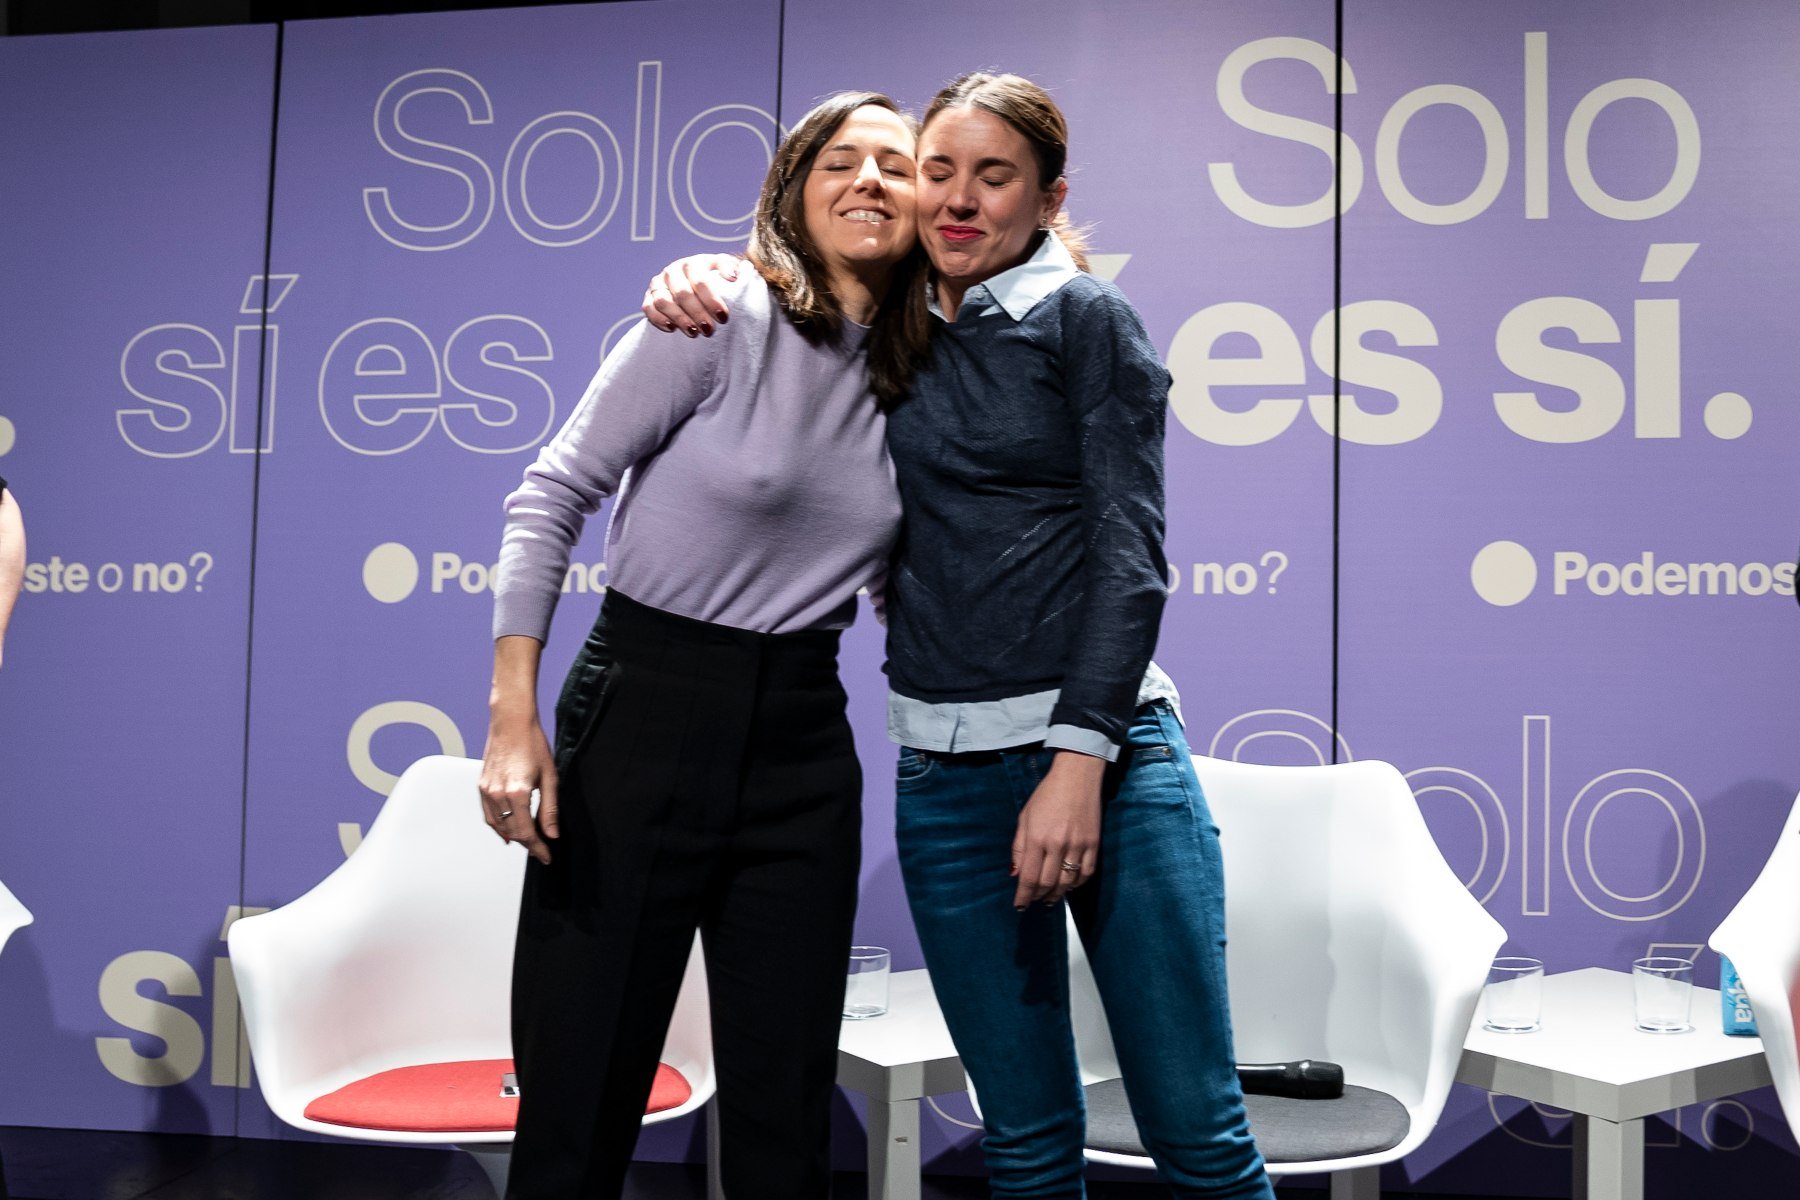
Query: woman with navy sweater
x=1041 y=750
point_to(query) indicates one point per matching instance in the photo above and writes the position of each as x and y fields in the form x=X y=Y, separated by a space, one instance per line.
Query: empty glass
x=1513 y=1000
x=866 y=990
x=1664 y=989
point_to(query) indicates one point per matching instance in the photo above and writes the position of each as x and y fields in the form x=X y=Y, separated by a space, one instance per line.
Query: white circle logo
x=8 y=435
x=1503 y=573
x=390 y=573
x=1728 y=415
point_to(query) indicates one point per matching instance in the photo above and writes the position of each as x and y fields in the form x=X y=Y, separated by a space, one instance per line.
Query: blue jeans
x=1153 y=923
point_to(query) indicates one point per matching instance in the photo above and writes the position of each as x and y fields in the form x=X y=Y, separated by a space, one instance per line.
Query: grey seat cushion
x=1362 y=1121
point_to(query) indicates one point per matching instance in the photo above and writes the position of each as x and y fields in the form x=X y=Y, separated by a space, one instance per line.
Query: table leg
x=1609 y=1159
x=894 y=1150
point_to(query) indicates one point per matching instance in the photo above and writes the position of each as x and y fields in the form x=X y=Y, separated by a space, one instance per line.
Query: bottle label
x=1740 y=1021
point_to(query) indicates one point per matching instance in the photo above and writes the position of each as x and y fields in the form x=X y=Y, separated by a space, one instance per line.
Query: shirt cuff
x=1082 y=741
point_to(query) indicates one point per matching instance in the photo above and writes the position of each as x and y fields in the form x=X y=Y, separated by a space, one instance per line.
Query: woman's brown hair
x=784 y=253
x=1029 y=109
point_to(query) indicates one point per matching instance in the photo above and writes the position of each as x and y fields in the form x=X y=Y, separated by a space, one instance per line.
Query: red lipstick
x=958 y=233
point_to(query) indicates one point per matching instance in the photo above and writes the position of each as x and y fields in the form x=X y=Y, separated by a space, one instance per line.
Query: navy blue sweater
x=1030 y=463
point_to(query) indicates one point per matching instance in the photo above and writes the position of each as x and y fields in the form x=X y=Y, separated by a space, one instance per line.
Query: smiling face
x=981 y=200
x=858 y=196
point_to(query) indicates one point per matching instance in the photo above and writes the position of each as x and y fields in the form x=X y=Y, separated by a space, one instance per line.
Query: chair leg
x=1359 y=1183
x=715 y=1184
x=495 y=1160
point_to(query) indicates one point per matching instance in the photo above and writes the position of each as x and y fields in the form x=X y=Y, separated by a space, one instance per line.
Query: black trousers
x=708 y=780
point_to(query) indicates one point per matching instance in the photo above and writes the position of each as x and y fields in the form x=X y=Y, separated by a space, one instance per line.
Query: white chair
x=1761 y=937
x=14 y=916
x=1349 y=939
x=403 y=957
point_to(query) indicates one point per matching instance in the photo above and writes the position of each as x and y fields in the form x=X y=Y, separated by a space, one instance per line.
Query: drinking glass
x=1664 y=990
x=866 y=990
x=1513 y=1000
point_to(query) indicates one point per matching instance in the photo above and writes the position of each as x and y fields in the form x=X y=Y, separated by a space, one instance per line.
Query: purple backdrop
x=1604 y=755
x=1564 y=356
x=134 y=189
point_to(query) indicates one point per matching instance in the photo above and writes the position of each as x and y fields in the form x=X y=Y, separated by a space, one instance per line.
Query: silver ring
x=506 y=814
x=1069 y=866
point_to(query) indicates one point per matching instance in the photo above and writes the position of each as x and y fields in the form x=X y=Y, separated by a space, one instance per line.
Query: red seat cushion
x=460 y=1097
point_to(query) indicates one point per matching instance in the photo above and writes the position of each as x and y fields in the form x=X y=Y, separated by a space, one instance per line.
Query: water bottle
x=1739 y=1020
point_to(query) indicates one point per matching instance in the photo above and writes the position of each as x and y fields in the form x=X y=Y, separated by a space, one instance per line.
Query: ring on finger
x=1071 y=866
x=506 y=814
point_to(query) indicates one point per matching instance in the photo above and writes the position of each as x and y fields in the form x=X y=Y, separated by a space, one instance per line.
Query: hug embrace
x=910 y=384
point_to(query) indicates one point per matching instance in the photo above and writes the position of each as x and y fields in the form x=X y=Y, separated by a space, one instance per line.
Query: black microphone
x=1302 y=1080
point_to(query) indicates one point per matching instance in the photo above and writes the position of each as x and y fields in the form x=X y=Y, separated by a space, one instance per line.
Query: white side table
x=1590 y=1058
x=895 y=1060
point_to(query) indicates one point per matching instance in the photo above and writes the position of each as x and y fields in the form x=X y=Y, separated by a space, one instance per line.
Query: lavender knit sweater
x=753 y=481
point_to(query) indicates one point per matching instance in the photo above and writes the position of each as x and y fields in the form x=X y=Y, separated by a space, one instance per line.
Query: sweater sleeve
x=1119 y=391
x=648 y=385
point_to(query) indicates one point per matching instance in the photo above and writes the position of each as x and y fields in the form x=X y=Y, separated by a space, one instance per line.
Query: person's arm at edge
x=12 y=559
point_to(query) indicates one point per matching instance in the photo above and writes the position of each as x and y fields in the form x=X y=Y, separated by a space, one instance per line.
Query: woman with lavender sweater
x=704 y=775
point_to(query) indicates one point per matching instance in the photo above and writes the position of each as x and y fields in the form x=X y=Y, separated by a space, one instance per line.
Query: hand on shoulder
x=695 y=294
